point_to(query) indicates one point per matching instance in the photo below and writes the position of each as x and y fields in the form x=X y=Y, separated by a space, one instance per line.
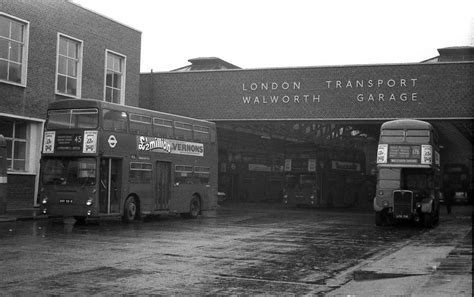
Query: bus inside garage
x=252 y=156
x=263 y=115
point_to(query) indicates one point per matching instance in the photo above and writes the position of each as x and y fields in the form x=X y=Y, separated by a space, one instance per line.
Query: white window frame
x=123 y=77
x=24 y=62
x=79 y=67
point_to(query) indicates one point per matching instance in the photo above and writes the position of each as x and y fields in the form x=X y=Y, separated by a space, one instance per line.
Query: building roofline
x=311 y=67
x=102 y=15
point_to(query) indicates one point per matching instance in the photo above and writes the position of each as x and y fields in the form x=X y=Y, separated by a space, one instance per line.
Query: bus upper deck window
x=162 y=127
x=392 y=136
x=140 y=124
x=72 y=118
x=115 y=120
x=183 y=131
x=202 y=134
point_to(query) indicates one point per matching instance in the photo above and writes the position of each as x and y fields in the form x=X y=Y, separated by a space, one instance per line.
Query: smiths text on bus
x=104 y=159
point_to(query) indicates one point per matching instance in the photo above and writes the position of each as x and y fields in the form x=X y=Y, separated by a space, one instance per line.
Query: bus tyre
x=379 y=218
x=194 y=208
x=80 y=220
x=428 y=220
x=130 y=210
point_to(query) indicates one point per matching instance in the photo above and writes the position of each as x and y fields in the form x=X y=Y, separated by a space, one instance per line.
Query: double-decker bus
x=323 y=176
x=457 y=177
x=101 y=159
x=409 y=179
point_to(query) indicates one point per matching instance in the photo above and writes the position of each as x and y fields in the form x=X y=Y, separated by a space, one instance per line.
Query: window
x=183 y=131
x=183 y=174
x=72 y=118
x=115 y=120
x=140 y=124
x=162 y=128
x=69 y=171
x=202 y=134
x=15 y=133
x=13 y=49
x=202 y=174
x=392 y=136
x=140 y=172
x=418 y=136
x=69 y=66
x=114 y=78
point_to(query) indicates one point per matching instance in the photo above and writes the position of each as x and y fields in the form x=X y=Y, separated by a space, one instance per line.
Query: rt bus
x=324 y=176
x=104 y=159
x=409 y=180
x=457 y=177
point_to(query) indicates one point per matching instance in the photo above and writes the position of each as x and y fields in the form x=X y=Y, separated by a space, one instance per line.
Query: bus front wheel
x=379 y=218
x=130 y=211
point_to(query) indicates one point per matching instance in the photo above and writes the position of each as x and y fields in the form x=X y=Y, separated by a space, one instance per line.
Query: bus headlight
x=89 y=202
x=311 y=197
x=45 y=200
x=385 y=203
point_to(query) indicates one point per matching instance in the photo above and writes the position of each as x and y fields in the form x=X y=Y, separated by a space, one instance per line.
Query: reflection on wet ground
x=235 y=251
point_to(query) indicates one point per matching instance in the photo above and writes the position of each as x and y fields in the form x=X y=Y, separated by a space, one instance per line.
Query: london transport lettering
x=281 y=98
x=378 y=83
x=387 y=90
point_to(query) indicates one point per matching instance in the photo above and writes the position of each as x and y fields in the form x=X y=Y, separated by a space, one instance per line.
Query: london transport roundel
x=112 y=141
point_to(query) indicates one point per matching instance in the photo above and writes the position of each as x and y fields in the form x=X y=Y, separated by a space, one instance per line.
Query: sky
x=291 y=33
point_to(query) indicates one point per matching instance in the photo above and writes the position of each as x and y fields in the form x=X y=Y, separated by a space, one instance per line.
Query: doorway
x=163 y=185
x=109 y=195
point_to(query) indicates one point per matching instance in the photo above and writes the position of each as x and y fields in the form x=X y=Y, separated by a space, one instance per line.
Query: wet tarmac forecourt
x=240 y=249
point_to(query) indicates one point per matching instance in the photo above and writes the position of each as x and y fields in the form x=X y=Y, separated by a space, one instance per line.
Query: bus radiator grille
x=402 y=204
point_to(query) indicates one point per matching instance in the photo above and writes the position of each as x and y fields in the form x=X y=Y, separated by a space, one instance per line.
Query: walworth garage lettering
x=277 y=93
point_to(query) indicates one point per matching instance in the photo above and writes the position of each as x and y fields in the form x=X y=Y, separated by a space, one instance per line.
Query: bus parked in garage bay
x=101 y=158
x=324 y=176
x=409 y=179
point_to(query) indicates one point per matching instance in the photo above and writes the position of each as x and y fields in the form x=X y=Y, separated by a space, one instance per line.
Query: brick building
x=56 y=50
x=259 y=111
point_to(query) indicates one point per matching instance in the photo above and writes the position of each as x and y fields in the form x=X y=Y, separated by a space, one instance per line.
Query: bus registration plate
x=402 y=216
x=65 y=201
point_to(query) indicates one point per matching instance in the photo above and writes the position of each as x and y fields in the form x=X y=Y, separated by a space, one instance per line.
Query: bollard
x=3 y=175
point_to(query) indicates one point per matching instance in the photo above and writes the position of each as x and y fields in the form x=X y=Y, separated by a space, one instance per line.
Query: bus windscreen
x=69 y=171
x=72 y=119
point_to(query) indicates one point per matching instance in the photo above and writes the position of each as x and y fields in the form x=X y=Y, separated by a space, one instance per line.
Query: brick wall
x=21 y=189
x=47 y=18
x=346 y=92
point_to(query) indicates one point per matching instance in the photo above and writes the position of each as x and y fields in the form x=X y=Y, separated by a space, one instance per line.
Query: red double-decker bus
x=100 y=159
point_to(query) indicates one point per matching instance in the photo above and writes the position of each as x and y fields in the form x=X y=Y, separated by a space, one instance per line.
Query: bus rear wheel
x=194 y=208
x=130 y=210
x=428 y=220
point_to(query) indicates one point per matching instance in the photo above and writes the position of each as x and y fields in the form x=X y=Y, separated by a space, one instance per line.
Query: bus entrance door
x=163 y=185
x=109 y=197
